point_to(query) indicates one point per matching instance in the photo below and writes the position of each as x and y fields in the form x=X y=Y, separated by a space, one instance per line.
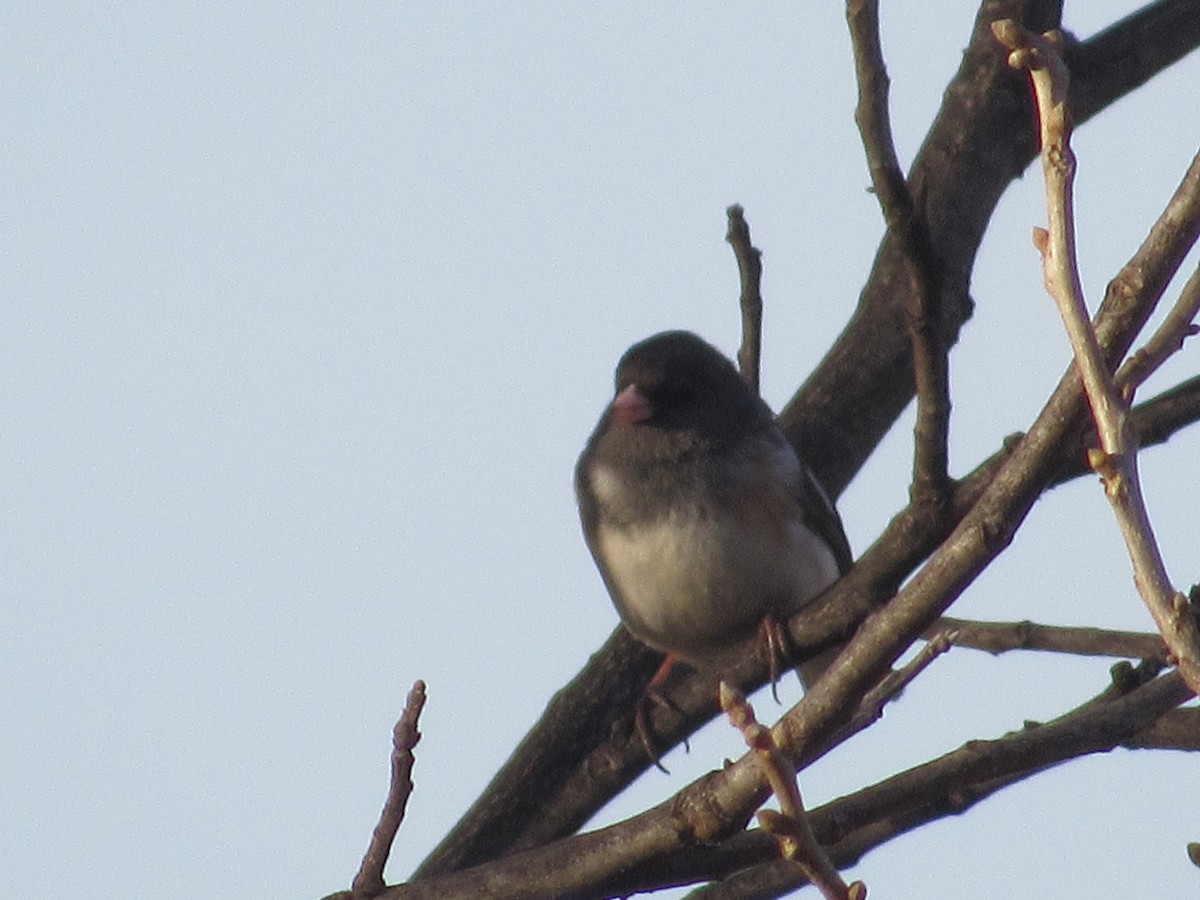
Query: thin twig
x=906 y=223
x=1168 y=339
x=749 y=260
x=790 y=825
x=369 y=880
x=873 y=118
x=1000 y=637
x=1116 y=461
x=896 y=681
x=870 y=708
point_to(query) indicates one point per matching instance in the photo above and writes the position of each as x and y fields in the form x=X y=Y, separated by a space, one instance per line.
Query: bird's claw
x=653 y=696
x=778 y=648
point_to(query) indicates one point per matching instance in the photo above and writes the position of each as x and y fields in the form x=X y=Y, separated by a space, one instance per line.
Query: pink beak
x=631 y=406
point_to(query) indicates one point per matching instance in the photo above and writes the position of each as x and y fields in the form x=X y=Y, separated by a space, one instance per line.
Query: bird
x=705 y=525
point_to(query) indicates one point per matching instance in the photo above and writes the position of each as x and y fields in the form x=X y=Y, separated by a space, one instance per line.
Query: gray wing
x=822 y=517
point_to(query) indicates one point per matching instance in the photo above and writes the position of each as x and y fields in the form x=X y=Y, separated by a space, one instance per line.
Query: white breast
x=694 y=585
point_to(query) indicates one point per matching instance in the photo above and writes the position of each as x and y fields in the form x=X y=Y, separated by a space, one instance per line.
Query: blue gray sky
x=306 y=311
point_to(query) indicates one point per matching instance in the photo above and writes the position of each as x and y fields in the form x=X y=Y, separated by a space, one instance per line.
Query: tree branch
x=1127 y=54
x=1116 y=462
x=906 y=225
x=951 y=784
x=1177 y=730
x=665 y=846
x=790 y=826
x=989 y=525
x=369 y=880
x=1001 y=637
x=981 y=140
x=749 y=260
x=1167 y=339
x=1158 y=419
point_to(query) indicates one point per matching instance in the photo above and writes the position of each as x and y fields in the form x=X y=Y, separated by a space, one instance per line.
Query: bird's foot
x=779 y=644
x=653 y=696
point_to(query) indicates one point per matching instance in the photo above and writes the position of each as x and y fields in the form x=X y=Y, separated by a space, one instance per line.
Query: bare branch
x=1177 y=730
x=749 y=260
x=1167 y=339
x=1096 y=726
x=667 y=845
x=1001 y=637
x=896 y=681
x=790 y=826
x=369 y=880
x=1128 y=53
x=1155 y=421
x=906 y=224
x=1117 y=461
x=873 y=119
x=1141 y=282
x=981 y=141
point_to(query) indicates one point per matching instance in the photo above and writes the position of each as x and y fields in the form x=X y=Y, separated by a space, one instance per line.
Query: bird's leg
x=778 y=643
x=653 y=696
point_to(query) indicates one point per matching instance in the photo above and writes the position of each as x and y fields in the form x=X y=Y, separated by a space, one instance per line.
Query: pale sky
x=306 y=312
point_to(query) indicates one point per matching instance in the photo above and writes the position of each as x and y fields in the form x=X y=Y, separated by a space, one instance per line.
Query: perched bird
x=702 y=520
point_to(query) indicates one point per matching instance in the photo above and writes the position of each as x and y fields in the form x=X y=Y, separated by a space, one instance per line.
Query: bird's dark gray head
x=687 y=385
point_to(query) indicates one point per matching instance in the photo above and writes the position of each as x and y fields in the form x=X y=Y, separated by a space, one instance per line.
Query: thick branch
x=1177 y=730
x=662 y=846
x=1128 y=53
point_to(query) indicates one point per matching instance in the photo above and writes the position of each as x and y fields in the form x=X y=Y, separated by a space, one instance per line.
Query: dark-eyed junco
x=701 y=518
